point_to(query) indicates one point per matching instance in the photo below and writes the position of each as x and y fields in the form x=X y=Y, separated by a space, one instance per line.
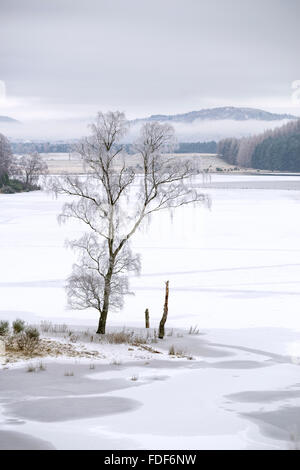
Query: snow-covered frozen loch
x=234 y=270
x=236 y=265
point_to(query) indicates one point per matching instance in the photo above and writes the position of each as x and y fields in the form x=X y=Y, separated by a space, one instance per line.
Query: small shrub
x=32 y=333
x=31 y=368
x=15 y=186
x=4 y=179
x=4 y=328
x=7 y=190
x=28 y=340
x=172 y=351
x=134 y=378
x=18 y=326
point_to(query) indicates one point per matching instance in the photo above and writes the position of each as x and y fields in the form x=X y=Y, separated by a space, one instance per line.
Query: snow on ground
x=234 y=266
x=227 y=397
x=234 y=271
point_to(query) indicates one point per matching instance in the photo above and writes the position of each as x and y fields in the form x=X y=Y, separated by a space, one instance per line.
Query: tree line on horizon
x=20 y=148
x=277 y=149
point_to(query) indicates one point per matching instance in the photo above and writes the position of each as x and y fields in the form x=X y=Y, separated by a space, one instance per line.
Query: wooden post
x=163 y=320
x=147 y=320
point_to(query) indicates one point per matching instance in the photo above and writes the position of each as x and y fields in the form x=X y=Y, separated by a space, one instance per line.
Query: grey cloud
x=150 y=56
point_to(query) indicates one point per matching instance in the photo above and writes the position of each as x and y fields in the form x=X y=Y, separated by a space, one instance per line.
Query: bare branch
x=113 y=207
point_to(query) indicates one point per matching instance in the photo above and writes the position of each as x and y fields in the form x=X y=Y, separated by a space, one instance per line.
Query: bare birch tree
x=114 y=200
x=30 y=167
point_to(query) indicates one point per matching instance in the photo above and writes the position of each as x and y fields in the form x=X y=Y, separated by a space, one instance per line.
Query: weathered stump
x=161 y=332
x=147 y=319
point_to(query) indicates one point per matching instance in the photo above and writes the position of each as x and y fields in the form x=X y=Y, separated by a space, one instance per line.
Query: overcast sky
x=69 y=58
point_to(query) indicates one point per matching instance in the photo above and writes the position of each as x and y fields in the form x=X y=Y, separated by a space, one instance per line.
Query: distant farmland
x=59 y=163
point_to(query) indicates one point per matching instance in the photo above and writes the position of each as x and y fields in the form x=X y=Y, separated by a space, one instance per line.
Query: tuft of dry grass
x=120 y=337
x=176 y=352
x=116 y=362
x=154 y=339
x=69 y=373
x=39 y=367
x=48 y=327
x=48 y=347
x=126 y=337
x=194 y=330
x=42 y=366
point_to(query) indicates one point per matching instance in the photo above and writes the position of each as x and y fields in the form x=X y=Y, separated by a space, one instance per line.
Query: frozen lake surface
x=236 y=265
x=234 y=270
x=229 y=397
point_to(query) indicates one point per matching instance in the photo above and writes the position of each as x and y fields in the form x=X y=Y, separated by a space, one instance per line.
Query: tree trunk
x=147 y=320
x=102 y=323
x=104 y=312
x=163 y=320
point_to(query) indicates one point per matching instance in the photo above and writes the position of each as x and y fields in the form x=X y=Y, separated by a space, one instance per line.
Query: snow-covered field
x=61 y=163
x=234 y=266
x=234 y=270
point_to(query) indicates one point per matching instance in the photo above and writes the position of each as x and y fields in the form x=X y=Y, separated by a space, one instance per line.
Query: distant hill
x=7 y=119
x=226 y=113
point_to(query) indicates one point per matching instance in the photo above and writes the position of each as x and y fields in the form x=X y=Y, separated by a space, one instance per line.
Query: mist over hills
x=205 y=125
x=217 y=114
x=8 y=120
